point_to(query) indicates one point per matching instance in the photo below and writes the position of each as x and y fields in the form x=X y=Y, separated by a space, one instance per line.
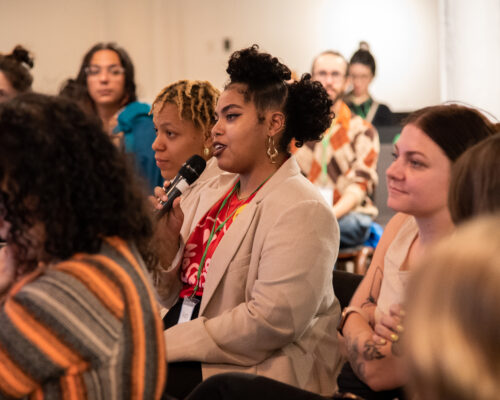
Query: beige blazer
x=268 y=306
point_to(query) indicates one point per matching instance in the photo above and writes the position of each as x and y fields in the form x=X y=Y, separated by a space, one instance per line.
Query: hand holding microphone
x=189 y=172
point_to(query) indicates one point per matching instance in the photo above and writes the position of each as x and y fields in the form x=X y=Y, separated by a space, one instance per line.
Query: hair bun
x=21 y=55
x=308 y=109
x=364 y=46
x=256 y=69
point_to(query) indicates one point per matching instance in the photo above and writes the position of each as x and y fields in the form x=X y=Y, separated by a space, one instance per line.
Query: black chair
x=344 y=286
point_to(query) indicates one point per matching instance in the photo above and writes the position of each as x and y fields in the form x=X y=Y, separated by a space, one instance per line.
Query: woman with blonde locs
x=183 y=115
x=241 y=298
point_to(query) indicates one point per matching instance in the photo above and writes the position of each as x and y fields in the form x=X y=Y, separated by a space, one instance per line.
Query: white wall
x=175 y=39
x=470 y=51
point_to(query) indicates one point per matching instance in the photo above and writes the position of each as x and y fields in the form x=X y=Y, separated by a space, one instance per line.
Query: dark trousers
x=354 y=229
x=240 y=386
x=182 y=377
x=349 y=382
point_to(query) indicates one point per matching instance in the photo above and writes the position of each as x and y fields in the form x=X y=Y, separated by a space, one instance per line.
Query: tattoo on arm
x=375 y=288
x=359 y=356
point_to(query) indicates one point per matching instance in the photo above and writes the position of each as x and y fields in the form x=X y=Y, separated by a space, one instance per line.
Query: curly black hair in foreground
x=58 y=168
x=305 y=103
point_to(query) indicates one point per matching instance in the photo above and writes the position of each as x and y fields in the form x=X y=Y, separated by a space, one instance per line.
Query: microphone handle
x=172 y=194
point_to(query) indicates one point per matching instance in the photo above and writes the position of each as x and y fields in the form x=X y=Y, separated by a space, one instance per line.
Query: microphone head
x=192 y=168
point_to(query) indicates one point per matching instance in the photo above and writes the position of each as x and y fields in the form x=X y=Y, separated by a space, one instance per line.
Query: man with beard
x=343 y=164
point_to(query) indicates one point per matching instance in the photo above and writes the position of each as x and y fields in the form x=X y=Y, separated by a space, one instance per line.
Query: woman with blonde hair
x=184 y=114
x=453 y=323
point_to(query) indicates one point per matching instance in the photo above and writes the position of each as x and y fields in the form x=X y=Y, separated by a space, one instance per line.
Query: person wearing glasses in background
x=362 y=69
x=105 y=87
x=343 y=164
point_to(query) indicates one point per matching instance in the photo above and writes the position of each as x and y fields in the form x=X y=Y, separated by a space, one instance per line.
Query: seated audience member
x=343 y=164
x=475 y=181
x=361 y=73
x=418 y=181
x=481 y=197
x=453 y=325
x=15 y=76
x=183 y=114
x=250 y=286
x=78 y=317
x=105 y=87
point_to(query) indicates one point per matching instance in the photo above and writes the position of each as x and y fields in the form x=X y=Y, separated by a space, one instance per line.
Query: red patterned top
x=195 y=246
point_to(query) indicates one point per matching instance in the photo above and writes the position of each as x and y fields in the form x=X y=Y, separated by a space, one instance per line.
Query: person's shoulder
x=396 y=223
x=135 y=115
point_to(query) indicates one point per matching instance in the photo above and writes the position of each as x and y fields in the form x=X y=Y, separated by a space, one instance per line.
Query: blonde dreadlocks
x=195 y=100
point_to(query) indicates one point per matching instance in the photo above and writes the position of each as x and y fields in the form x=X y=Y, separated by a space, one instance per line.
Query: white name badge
x=187 y=309
x=327 y=194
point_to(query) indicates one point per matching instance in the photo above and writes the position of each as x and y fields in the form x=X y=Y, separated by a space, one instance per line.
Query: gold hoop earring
x=206 y=152
x=272 y=151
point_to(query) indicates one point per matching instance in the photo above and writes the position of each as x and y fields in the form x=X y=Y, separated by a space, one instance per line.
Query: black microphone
x=189 y=172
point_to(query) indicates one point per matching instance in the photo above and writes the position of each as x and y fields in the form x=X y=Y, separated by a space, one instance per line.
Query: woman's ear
x=276 y=123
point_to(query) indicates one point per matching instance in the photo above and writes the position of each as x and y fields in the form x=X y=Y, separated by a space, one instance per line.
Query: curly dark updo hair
x=305 y=103
x=60 y=171
x=16 y=66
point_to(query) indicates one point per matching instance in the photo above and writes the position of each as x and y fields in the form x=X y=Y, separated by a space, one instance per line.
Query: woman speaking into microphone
x=247 y=278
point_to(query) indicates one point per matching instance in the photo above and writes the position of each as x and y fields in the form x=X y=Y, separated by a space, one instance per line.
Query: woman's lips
x=161 y=163
x=395 y=190
x=218 y=148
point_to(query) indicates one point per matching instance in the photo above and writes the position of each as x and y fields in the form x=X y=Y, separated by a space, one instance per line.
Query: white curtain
x=470 y=53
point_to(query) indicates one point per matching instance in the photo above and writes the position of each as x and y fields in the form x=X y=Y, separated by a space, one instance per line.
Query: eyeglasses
x=114 y=71
x=335 y=75
x=361 y=77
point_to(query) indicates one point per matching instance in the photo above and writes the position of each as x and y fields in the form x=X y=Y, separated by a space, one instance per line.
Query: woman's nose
x=216 y=129
x=157 y=144
x=394 y=171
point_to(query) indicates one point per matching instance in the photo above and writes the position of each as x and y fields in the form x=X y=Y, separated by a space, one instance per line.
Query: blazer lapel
x=226 y=251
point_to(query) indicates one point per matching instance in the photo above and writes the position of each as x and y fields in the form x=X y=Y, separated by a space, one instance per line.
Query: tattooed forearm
x=371 y=351
x=359 y=353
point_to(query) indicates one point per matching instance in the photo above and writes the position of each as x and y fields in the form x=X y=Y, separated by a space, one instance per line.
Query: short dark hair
x=77 y=88
x=363 y=56
x=15 y=66
x=305 y=103
x=453 y=127
x=475 y=181
x=58 y=168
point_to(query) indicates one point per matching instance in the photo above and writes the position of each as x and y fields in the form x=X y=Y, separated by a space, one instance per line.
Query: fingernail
x=394 y=337
x=402 y=313
x=382 y=341
x=400 y=328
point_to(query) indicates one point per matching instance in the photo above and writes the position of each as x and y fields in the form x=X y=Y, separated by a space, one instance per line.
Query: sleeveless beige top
x=394 y=281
